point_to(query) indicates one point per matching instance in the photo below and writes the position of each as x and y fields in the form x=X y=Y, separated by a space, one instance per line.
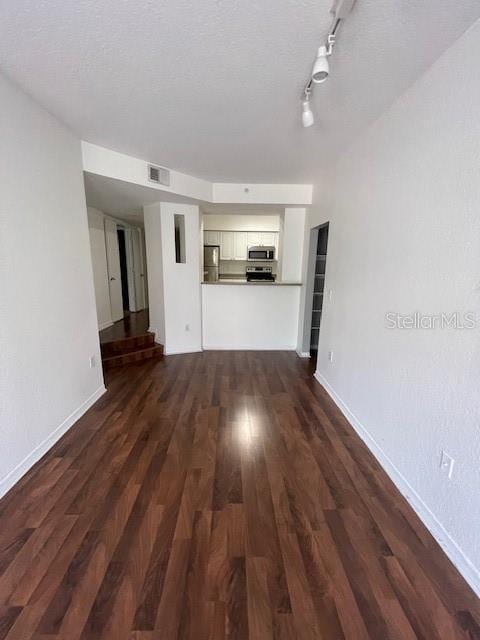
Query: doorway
x=126 y=269
x=318 y=289
x=139 y=282
x=122 y=249
x=114 y=269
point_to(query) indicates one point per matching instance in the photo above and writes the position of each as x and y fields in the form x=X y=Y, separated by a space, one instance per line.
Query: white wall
x=256 y=316
x=106 y=162
x=293 y=235
x=241 y=222
x=153 y=251
x=174 y=288
x=286 y=194
x=405 y=237
x=48 y=318
x=99 y=265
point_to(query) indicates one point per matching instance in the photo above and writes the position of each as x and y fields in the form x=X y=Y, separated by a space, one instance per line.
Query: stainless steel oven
x=259 y=274
x=261 y=253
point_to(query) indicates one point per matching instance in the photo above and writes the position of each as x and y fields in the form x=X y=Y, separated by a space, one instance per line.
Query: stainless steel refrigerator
x=211 y=262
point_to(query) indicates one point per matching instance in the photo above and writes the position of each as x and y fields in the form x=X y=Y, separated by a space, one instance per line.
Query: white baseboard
x=303 y=354
x=178 y=352
x=448 y=544
x=7 y=482
x=105 y=325
x=247 y=347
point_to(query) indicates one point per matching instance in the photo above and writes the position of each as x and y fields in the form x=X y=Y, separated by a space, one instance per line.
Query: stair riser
x=127 y=345
x=133 y=357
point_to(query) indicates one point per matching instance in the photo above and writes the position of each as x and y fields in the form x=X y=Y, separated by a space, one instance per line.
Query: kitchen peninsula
x=240 y=281
x=241 y=315
x=262 y=313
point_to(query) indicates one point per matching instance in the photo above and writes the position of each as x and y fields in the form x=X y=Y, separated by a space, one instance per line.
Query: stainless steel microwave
x=261 y=253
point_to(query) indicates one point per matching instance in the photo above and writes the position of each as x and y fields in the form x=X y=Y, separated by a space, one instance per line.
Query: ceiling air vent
x=159 y=175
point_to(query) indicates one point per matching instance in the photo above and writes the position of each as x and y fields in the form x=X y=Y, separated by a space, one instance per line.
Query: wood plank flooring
x=132 y=324
x=220 y=496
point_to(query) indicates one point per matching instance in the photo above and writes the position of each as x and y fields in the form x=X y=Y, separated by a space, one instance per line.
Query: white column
x=153 y=248
x=174 y=288
x=292 y=243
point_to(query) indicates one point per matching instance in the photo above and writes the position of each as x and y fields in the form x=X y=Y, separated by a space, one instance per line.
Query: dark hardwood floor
x=220 y=496
x=132 y=324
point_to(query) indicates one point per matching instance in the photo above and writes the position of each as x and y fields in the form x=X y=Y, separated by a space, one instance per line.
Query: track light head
x=321 y=68
x=307 y=115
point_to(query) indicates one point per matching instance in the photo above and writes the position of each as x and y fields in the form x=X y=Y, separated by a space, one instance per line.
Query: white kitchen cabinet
x=211 y=237
x=262 y=238
x=227 y=245
x=240 y=243
x=254 y=238
x=267 y=239
x=234 y=244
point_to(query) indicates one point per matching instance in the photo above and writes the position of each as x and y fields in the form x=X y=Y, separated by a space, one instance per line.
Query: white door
x=240 y=245
x=114 y=273
x=138 y=270
x=226 y=245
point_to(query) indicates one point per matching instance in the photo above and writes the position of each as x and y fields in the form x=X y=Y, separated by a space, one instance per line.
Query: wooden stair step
x=130 y=349
x=126 y=345
x=137 y=355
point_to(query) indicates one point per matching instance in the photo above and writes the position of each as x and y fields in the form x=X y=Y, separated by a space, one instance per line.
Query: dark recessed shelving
x=319 y=282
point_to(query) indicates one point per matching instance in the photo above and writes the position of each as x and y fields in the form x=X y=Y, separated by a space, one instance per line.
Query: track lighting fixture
x=321 y=67
x=307 y=114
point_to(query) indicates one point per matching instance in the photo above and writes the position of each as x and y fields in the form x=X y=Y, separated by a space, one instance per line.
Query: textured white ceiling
x=212 y=87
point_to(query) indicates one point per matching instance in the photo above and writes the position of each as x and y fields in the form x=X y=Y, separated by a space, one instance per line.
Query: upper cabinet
x=254 y=238
x=211 y=237
x=262 y=238
x=267 y=238
x=234 y=244
x=240 y=244
x=227 y=245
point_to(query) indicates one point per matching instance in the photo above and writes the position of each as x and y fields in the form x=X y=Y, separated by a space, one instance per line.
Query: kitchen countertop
x=243 y=281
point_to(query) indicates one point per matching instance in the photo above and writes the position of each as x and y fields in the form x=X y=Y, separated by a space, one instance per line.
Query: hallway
x=220 y=495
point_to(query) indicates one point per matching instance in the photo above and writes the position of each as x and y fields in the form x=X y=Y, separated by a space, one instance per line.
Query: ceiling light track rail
x=321 y=67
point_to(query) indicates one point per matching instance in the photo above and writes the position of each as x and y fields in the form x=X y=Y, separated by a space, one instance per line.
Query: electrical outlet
x=330 y=356
x=330 y=295
x=446 y=464
x=91 y=361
